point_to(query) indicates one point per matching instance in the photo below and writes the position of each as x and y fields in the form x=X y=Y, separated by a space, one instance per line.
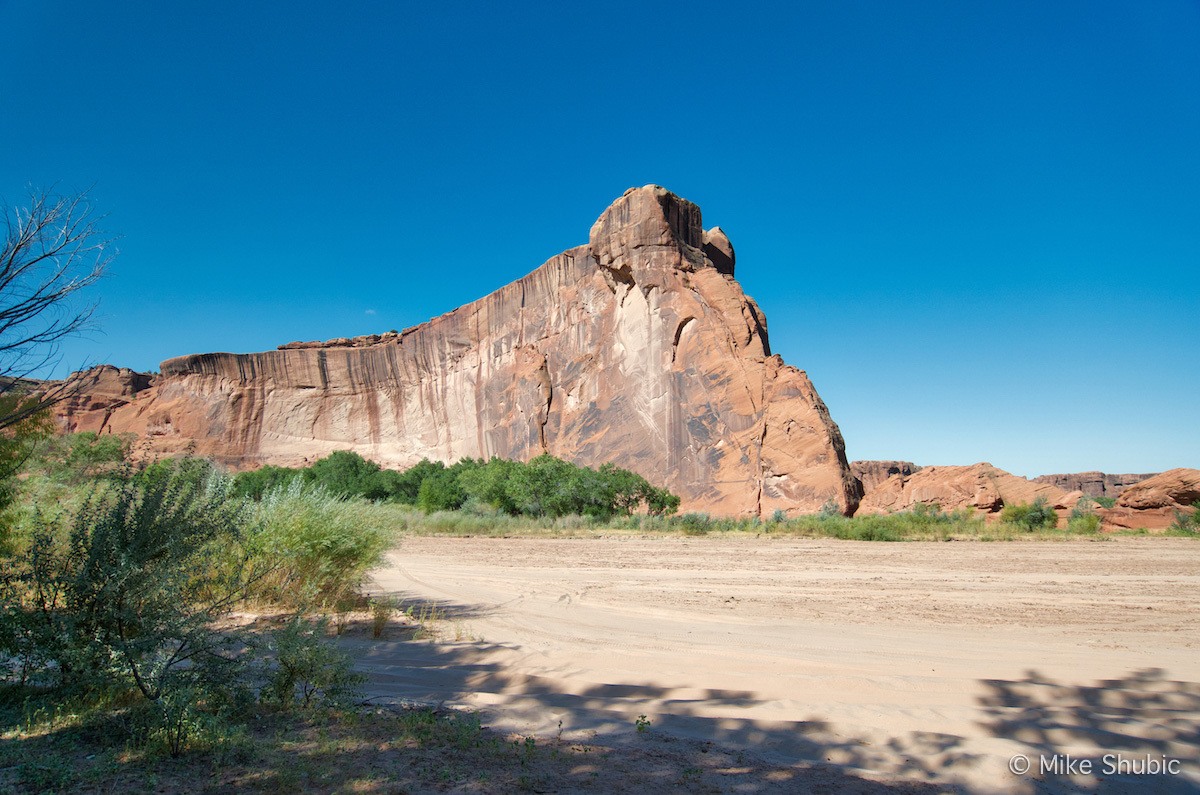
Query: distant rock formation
x=1154 y=502
x=1093 y=484
x=981 y=487
x=638 y=348
x=873 y=473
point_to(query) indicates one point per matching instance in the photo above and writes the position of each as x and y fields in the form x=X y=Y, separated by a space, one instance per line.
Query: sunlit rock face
x=638 y=348
x=979 y=487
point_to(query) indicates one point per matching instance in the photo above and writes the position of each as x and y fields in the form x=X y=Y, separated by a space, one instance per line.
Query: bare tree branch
x=52 y=250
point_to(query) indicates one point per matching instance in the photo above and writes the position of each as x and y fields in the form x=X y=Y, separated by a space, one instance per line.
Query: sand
x=908 y=662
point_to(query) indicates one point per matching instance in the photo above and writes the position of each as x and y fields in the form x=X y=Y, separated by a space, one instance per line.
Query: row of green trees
x=544 y=486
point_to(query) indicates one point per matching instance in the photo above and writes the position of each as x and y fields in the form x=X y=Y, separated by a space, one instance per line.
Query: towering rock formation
x=638 y=348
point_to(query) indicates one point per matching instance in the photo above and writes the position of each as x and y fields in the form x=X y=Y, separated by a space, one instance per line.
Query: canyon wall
x=638 y=348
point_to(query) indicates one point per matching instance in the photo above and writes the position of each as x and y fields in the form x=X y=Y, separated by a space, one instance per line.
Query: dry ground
x=784 y=664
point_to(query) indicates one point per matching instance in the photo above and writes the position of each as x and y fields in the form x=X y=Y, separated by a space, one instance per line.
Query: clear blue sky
x=976 y=225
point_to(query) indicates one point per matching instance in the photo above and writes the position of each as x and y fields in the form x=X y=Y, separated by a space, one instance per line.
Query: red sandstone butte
x=638 y=348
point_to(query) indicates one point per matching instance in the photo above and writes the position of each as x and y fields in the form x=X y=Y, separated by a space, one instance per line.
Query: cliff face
x=1093 y=484
x=638 y=348
x=873 y=474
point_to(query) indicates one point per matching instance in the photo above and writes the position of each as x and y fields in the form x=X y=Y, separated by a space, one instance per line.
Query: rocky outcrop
x=981 y=487
x=92 y=396
x=1154 y=503
x=1173 y=488
x=873 y=473
x=1093 y=484
x=638 y=348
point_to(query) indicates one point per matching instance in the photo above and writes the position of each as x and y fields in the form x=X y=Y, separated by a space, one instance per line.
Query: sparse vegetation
x=1083 y=519
x=1187 y=522
x=1036 y=516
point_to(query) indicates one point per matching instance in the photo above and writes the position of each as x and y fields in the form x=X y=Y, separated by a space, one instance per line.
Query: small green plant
x=1084 y=524
x=424 y=618
x=381 y=612
x=321 y=545
x=642 y=724
x=308 y=669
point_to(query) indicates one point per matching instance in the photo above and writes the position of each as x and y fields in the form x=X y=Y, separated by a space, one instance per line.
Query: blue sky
x=975 y=225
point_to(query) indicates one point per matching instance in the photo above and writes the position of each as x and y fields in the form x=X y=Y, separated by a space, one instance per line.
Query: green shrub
x=127 y=597
x=407 y=484
x=90 y=455
x=1185 y=522
x=485 y=484
x=17 y=443
x=320 y=546
x=344 y=474
x=1083 y=518
x=256 y=483
x=1086 y=523
x=308 y=670
x=1030 y=517
x=695 y=523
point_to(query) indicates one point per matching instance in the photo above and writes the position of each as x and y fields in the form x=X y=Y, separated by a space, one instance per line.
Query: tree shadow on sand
x=1142 y=716
x=1143 y=713
x=680 y=746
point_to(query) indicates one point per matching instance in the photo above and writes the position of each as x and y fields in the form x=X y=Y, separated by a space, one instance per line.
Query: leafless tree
x=52 y=250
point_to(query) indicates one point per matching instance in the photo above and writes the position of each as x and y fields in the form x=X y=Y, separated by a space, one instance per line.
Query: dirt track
x=927 y=662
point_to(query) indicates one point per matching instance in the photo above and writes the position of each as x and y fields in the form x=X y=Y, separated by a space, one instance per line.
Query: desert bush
x=1030 y=517
x=831 y=508
x=1083 y=523
x=344 y=474
x=320 y=546
x=485 y=484
x=1083 y=518
x=127 y=596
x=122 y=605
x=18 y=441
x=308 y=670
x=91 y=455
x=694 y=523
x=408 y=483
x=1185 y=522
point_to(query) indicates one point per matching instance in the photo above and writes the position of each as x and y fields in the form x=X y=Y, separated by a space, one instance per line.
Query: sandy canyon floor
x=819 y=663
